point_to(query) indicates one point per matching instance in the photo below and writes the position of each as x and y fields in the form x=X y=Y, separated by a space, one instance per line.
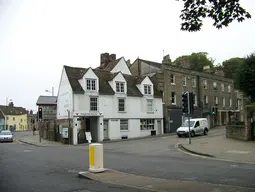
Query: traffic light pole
x=189 y=117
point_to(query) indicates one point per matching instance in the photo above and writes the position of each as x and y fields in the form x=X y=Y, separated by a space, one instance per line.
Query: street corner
x=94 y=175
x=187 y=149
x=85 y=175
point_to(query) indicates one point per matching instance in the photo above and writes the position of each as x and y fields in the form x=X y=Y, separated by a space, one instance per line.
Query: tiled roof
x=104 y=78
x=111 y=65
x=74 y=73
x=46 y=100
x=9 y=110
x=152 y=63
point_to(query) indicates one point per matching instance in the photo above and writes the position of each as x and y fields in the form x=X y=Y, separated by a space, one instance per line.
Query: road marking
x=237 y=152
x=27 y=151
x=234 y=165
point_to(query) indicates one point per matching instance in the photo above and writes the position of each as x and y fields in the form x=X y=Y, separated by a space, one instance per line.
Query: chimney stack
x=106 y=58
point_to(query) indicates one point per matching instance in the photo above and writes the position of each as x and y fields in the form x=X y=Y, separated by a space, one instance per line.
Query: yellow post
x=92 y=156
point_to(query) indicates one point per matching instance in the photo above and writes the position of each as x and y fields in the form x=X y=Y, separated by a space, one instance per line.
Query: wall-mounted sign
x=65 y=132
x=88 y=114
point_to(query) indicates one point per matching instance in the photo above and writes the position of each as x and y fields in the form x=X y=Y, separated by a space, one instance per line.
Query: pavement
x=156 y=184
x=29 y=138
x=222 y=148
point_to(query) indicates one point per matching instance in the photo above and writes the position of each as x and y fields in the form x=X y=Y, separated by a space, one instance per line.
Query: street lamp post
x=52 y=91
x=5 y=117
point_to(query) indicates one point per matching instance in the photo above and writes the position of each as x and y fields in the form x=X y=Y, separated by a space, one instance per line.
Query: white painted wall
x=65 y=97
x=135 y=108
x=122 y=67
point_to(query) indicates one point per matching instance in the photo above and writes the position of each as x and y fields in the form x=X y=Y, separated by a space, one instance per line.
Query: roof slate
x=46 y=100
x=74 y=74
x=111 y=65
x=9 y=110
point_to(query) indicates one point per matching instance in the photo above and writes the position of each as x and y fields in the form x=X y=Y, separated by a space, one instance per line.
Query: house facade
x=212 y=92
x=49 y=107
x=2 y=121
x=15 y=117
x=109 y=103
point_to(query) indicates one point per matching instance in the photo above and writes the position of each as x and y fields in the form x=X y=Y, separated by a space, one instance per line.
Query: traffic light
x=40 y=115
x=213 y=110
x=191 y=103
x=185 y=107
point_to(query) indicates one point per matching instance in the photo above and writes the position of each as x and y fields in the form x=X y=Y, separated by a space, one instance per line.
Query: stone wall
x=50 y=129
x=237 y=132
x=242 y=132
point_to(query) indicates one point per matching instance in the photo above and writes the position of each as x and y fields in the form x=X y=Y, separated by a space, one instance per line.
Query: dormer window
x=91 y=84
x=120 y=87
x=147 y=89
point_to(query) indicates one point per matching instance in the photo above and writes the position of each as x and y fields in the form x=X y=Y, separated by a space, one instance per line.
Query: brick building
x=212 y=91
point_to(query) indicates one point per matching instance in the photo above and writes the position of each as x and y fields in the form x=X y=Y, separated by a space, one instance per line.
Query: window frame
x=90 y=103
x=150 y=106
x=173 y=103
x=147 y=124
x=147 y=89
x=120 y=87
x=90 y=86
x=184 y=81
x=124 y=105
x=125 y=124
x=172 y=79
x=194 y=82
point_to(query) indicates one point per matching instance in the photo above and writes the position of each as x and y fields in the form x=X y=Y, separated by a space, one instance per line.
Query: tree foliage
x=245 y=77
x=231 y=65
x=222 y=12
x=195 y=61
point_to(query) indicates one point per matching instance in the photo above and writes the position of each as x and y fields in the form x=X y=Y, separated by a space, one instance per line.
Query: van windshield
x=186 y=123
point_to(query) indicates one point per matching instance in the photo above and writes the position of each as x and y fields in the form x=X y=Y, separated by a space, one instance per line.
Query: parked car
x=198 y=126
x=6 y=136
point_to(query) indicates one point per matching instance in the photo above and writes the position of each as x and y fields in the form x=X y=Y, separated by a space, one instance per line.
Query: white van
x=198 y=126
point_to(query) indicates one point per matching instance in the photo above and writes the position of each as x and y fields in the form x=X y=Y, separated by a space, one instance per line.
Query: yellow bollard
x=96 y=158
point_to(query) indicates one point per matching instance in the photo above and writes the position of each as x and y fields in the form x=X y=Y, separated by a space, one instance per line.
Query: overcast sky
x=38 y=37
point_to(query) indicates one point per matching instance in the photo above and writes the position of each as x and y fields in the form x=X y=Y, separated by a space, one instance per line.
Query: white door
x=159 y=127
x=106 y=135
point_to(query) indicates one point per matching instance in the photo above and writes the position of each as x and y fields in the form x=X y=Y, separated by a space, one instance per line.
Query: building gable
x=118 y=78
x=121 y=66
x=85 y=81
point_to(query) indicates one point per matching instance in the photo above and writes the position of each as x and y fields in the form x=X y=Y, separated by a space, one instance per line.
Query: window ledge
x=121 y=111
x=150 y=112
x=124 y=130
x=173 y=84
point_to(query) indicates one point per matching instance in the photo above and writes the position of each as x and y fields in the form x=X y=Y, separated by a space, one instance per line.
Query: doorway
x=159 y=127
x=106 y=129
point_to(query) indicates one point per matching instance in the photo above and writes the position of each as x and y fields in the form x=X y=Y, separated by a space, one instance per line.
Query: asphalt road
x=25 y=168
x=30 y=168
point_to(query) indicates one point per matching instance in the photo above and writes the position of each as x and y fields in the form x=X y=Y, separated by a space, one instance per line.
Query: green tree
x=195 y=61
x=222 y=12
x=245 y=77
x=231 y=65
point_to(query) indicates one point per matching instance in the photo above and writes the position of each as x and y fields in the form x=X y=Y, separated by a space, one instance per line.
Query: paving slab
x=157 y=184
x=223 y=148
